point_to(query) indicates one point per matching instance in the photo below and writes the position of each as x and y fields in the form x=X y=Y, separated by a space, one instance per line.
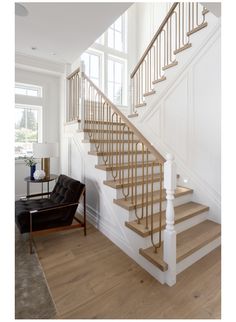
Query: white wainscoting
x=185 y=120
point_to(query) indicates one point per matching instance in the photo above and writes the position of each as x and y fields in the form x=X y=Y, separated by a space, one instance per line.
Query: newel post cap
x=170 y=172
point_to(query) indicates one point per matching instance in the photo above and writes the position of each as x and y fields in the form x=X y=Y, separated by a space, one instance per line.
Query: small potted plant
x=30 y=162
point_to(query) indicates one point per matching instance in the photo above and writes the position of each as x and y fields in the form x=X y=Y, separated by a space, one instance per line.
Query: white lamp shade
x=45 y=150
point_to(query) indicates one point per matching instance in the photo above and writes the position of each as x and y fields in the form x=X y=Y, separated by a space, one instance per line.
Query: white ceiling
x=66 y=29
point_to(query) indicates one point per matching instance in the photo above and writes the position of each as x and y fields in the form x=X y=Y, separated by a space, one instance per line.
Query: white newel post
x=169 y=232
x=82 y=92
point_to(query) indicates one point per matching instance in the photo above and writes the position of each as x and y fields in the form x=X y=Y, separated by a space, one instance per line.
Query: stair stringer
x=101 y=211
x=203 y=191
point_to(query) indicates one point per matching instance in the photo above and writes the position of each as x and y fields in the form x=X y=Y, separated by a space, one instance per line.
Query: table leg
x=42 y=188
x=48 y=186
x=28 y=188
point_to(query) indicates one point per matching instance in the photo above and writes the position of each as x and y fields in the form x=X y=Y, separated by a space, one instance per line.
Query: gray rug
x=32 y=297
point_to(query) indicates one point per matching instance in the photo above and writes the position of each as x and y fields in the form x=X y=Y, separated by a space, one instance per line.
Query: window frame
x=123 y=73
x=98 y=53
x=105 y=52
x=29 y=87
x=31 y=102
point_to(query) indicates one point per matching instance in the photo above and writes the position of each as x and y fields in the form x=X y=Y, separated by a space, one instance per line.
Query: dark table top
x=51 y=178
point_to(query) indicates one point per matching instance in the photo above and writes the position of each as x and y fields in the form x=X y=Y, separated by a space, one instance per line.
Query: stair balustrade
x=172 y=37
x=133 y=161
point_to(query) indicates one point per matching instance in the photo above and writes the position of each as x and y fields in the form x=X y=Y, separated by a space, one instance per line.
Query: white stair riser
x=106 y=136
x=139 y=189
x=124 y=158
x=128 y=173
x=115 y=147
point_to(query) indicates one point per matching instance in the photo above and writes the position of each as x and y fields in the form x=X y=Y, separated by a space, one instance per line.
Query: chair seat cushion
x=40 y=221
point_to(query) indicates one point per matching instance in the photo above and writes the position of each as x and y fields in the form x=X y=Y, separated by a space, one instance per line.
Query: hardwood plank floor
x=90 y=277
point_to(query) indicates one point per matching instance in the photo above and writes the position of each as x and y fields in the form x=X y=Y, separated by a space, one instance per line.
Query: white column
x=169 y=232
x=82 y=93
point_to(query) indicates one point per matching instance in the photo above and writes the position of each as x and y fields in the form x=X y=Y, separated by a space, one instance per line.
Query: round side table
x=46 y=180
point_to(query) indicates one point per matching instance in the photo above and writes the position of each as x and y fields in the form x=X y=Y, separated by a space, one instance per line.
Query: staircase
x=171 y=230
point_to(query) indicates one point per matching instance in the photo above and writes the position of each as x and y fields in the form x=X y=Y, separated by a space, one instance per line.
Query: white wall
x=51 y=110
x=184 y=116
x=148 y=19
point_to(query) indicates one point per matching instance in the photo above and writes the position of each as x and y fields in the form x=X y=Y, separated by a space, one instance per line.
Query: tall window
x=116 y=34
x=115 y=79
x=92 y=61
x=28 y=120
x=109 y=67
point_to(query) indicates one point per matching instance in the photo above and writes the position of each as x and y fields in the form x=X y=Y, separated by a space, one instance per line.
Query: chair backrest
x=66 y=190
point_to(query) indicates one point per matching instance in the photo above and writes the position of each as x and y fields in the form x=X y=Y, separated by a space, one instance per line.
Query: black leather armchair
x=54 y=213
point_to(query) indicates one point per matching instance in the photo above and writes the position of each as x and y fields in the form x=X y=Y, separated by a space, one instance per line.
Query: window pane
x=94 y=68
x=95 y=80
x=110 y=71
x=118 y=73
x=110 y=91
x=118 y=94
x=32 y=92
x=110 y=38
x=20 y=91
x=28 y=90
x=118 y=24
x=85 y=58
x=118 y=41
x=27 y=129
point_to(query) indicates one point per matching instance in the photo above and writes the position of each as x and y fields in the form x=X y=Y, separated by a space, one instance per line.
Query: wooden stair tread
x=127 y=203
x=109 y=167
x=140 y=105
x=106 y=131
x=194 y=238
x=155 y=258
x=182 y=212
x=188 y=242
x=103 y=122
x=127 y=182
x=133 y=115
x=149 y=93
x=108 y=141
x=100 y=154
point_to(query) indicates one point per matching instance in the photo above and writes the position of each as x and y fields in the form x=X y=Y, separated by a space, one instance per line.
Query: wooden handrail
x=73 y=73
x=154 y=38
x=143 y=140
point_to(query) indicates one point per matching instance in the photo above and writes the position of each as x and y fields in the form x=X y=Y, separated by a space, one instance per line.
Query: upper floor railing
x=172 y=37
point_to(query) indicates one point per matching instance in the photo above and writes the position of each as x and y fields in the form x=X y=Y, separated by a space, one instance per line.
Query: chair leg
x=85 y=212
x=30 y=236
x=31 y=243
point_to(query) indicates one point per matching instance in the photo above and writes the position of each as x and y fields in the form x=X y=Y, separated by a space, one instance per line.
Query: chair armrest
x=35 y=195
x=59 y=206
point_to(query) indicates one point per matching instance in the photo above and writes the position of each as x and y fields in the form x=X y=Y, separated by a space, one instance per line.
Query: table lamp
x=45 y=151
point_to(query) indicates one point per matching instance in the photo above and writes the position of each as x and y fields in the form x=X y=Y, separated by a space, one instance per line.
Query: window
x=28 y=118
x=28 y=90
x=92 y=61
x=28 y=129
x=106 y=61
x=115 y=80
x=116 y=34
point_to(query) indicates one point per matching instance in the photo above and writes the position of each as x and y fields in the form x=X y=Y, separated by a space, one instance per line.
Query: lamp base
x=45 y=166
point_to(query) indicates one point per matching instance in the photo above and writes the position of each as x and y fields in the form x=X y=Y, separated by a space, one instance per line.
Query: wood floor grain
x=90 y=277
